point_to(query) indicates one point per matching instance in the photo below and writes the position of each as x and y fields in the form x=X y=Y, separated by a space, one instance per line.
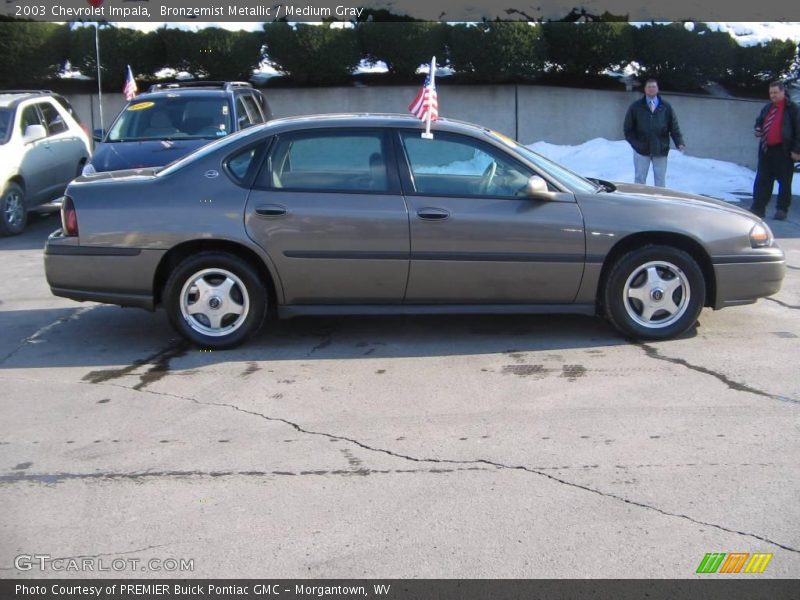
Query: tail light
x=69 y=218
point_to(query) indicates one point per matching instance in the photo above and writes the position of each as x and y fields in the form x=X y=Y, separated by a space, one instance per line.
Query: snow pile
x=613 y=161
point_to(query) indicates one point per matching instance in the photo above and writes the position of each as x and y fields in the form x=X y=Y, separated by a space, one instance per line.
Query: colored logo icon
x=737 y=562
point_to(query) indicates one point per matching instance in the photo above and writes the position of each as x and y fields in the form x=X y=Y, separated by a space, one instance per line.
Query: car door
x=327 y=208
x=476 y=237
x=66 y=147
x=37 y=159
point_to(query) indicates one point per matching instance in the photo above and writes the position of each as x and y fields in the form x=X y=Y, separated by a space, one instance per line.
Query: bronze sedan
x=359 y=214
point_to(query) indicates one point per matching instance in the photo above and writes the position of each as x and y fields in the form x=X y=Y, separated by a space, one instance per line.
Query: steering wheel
x=488 y=177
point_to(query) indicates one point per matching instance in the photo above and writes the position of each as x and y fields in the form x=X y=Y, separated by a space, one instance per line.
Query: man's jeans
x=641 y=164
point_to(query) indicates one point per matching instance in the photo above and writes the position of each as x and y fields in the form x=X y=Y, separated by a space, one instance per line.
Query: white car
x=42 y=148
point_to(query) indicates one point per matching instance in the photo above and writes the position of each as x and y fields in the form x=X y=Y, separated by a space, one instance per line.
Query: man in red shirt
x=778 y=130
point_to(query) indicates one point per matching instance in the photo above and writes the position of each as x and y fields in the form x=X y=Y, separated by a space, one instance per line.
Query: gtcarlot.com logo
x=90 y=564
x=735 y=562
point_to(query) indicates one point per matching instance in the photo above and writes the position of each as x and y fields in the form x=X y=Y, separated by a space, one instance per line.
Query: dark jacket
x=790 y=128
x=648 y=132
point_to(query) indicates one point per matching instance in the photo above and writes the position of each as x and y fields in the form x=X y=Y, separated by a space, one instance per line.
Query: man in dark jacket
x=649 y=123
x=778 y=130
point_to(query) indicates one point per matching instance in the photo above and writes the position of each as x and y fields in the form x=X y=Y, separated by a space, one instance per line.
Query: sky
x=612 y=160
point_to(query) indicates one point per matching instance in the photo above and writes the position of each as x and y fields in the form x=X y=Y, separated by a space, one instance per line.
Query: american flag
x=130 y=88
x=426 y=101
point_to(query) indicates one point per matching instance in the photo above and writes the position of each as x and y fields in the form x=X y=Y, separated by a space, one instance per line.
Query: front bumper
x=111 y=275
x=745 y=280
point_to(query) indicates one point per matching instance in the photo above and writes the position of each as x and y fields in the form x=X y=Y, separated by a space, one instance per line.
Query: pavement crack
x=499 y=465
x=34 y=338
x=478 y=461
x=326 y=341
x=792 y=306
x=734 y=385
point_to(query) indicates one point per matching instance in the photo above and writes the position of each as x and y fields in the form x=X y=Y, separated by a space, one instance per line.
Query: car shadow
x=109 y=339
x=788 y=229
x=39 y=228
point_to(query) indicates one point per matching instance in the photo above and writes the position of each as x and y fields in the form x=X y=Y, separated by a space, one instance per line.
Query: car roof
x=212 y=89
x=367 y=120
x=190 y=92
x=11 y=98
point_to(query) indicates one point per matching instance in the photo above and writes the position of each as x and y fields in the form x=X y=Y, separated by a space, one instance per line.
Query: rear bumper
x=745 y=282
x=123 y=276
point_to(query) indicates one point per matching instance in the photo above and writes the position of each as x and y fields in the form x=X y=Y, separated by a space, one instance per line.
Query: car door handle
x=271 y=210
x=433 y=214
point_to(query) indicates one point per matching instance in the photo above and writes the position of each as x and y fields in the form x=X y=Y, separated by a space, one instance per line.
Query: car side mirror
x=34 y=133
x=98 y=135
x=536 y=186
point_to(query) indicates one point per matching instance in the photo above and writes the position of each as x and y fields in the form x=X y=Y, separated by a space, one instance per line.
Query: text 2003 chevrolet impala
x=358 y=214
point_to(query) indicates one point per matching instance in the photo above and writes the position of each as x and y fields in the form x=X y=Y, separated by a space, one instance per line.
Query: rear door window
x=243 y=119
x=333 y=161
x=54 y=122
x=251 y=105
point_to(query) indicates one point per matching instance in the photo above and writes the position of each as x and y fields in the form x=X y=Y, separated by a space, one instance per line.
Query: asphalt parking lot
x=454 y=447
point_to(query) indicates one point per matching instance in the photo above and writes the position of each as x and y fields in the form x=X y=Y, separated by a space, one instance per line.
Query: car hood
x=112 y=156
x=657 y=194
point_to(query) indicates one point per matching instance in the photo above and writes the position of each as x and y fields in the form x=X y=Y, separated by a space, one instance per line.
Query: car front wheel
x=13 y=214
x=654 y=292
x=215 y=300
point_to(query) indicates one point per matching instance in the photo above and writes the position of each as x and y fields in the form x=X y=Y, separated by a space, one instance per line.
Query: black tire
x=13 y=212
x=211 y=271
x=673 y=288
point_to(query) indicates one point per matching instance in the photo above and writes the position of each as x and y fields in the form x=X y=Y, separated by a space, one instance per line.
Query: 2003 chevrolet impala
x=359 y=214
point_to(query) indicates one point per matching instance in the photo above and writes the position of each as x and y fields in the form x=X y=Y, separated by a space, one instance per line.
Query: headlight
x=760 y=236
x=88 y=169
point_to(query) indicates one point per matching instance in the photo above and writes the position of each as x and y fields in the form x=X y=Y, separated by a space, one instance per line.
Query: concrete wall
x=712 y=127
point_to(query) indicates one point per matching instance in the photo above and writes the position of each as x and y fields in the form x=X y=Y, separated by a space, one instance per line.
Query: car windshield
x=573 y=181
x=6 y=118
x=172 y=117
x=204 y=151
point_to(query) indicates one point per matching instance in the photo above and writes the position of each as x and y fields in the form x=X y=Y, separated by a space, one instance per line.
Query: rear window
x=172 y=117
x=68 y=107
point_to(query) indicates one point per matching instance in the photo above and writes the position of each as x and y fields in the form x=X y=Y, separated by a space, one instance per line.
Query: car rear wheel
x=215 y=300
x=654 y=292
x=13 y=214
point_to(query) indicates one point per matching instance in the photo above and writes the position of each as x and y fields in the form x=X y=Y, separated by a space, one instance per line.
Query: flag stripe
x=130 y=88
x=426 y=102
